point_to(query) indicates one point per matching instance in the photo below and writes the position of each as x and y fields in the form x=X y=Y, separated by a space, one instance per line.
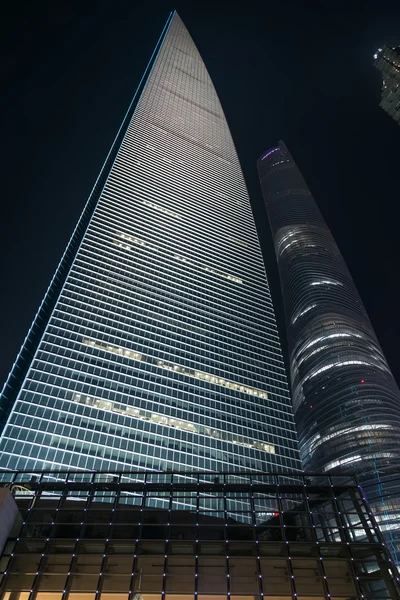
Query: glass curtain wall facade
x=345 y=399
x=387 y=60
x=100 y=537
x=156 y=345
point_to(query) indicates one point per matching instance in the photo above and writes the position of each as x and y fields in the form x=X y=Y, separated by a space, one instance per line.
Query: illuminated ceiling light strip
x=318 y=440
x=330 y=336
x=303 y=312
x=326 y=282
x=337 y=364
x=178 y=368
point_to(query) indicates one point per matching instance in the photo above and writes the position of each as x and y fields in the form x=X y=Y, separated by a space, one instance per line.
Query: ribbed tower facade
x=346 y=401
x=387 y=60
x=156 y=346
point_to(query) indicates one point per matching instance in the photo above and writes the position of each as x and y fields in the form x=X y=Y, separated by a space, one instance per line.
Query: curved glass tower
x=156 y=345
x=345 y=399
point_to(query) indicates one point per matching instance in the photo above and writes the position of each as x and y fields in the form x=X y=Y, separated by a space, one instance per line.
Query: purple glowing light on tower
x=270 y=152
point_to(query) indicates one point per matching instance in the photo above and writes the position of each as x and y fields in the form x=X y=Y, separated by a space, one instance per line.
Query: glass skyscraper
x=346 y=401
x=387 y=60
x=156 y=346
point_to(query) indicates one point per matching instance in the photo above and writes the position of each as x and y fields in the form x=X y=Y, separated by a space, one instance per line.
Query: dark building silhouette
x=346 y=401
x=387 y=60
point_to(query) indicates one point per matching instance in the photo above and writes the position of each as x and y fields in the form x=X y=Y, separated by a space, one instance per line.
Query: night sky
x=298 y=71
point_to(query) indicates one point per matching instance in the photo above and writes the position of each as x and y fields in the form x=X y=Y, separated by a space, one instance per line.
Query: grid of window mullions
x=138 y=338
x=192 y=403
x=88 y=261
x=152 y=399
x=125 y=436
x=89 y=323
x=136 y=163
x=130 y=432
x=204 y=218
x=73 y=294
x=66 y=313
x=194 y=305
x=107 y=242
x=120 y=457
x=113 y=219
x=72 y=290
x=165 y=266
x=189 y=149
x=187 y=146
x=209 y=215
x=239 y=377
x=161 y=401
x=70 y=432
x=113 y=203
x=166 y=128
x=230 y=398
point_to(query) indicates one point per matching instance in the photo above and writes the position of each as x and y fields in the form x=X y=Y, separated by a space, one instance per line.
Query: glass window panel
x=308 y=576
x=210 y=548
x=58 y=546
x=272 y=549
x=118 y=564
x=88 y=563
x=155 y=516
x=307 y=550
x=299 y=534
x=126 y=515
x=19 y=582
x=130 y=498
x=243 y=575
x=180 y=575
x=215 y=502
x=85 y=546
x=25 y=563
x=113 y=596
x=83 y=583
x=240 y=532
x=70 y=516
x=124 y=532
x=177 y=532
x=43 y=515
x=276 y=576
x=242 y=549
x=49 y=595
x=344 y=586
x=334 y=550
x=212 y=575
x=150 y=547
x=51 y=582
x=115 y=583
x=16 y=595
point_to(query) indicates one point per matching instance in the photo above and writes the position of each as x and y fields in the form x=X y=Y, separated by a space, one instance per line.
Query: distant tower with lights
x=387 y=60
x=346 y=401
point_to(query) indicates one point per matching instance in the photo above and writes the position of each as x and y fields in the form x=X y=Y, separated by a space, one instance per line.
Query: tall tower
x=345 y=399
x=387 y=60
x=156 y=345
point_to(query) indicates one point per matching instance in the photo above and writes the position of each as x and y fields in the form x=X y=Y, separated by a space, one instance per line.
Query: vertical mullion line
x=147 y=73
